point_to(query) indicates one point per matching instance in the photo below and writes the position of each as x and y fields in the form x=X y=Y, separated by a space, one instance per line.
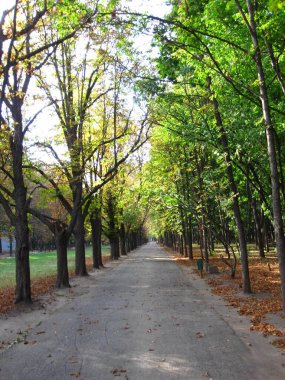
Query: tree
x=22 y=52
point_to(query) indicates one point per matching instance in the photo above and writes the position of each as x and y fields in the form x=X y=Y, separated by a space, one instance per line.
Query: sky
x=155 y=7
x=5 y=4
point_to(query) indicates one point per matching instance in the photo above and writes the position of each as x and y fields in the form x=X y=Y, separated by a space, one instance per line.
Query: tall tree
x=23 y=50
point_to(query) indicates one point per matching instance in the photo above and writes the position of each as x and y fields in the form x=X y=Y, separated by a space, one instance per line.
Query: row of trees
x=218 y=154
x=217 y=166
x=71 y=61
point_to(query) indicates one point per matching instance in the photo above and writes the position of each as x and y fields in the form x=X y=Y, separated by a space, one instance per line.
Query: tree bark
x=258 y=229
x=79 y=234
x=204 y=240
x=115 y=250
x=23 y=281
x=189 y=241
x=235 y=194
x=96 y=239
x=61 y=241
x=270 y=136
x=264 y=231
x=184 y=233
x=123 y=240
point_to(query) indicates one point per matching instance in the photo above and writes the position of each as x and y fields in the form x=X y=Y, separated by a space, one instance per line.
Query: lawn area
x=41 y=263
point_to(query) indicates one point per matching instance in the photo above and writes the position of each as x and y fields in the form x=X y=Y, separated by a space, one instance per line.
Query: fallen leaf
x=75 y=374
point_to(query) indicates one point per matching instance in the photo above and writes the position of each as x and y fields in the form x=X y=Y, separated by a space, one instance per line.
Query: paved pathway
x=143 y=318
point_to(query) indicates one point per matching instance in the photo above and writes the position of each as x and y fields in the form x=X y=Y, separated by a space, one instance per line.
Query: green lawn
x=41 y=264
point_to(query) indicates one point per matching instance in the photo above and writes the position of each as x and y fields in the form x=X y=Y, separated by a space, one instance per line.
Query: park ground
x=263 y=306
x=143 y=317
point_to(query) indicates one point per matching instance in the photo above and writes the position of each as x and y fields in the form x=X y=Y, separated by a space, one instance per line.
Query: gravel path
x=144 y=317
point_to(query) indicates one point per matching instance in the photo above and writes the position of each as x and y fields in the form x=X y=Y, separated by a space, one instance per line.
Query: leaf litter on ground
x=40 y=286
x=266 y=293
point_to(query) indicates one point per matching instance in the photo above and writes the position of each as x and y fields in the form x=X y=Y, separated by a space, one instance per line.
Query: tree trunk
x=258 y=229
x=189 y=239
x=128 y=243
x=270 y=136
x=113 y=232
x=201 y=240
x=234 y=190
x=184 y=234
x=96 y=239
x=204 y=240
x=118 y=246
x=123 y=240
x=211 y=240
x=99 y=238
x=79 y=234
x=133 y=240
x=181 y=245
x=280 y=164
x=61 y=241
x=114 y=243
x=190 y=244
x=23 y=281
x=265 y=232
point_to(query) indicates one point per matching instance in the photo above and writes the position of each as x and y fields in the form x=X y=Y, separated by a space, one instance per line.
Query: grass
x=41 y=264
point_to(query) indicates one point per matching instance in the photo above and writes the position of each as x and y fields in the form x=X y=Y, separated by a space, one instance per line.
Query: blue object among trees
x=6 y=245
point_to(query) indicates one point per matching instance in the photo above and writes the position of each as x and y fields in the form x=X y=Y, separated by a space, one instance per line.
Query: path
x=143 y=318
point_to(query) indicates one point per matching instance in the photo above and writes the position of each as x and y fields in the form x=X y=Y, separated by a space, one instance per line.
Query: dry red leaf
x=279 y=343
